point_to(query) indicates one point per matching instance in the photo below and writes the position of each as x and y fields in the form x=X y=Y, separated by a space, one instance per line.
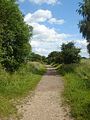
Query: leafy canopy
x=14 y=36
x=55 y=57
x=70 y=53
x=84 y=24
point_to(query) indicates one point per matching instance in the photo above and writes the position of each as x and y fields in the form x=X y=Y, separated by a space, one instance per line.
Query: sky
x=54 y=22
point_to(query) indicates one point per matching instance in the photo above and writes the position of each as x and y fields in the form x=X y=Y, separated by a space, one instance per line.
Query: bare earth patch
x=46 y=103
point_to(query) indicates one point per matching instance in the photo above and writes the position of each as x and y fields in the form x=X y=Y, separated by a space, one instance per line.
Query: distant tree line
x=69 y=54
x=36 y=57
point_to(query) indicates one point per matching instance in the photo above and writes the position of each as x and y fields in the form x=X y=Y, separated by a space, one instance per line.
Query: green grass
x=17 y=85
x=77 y=88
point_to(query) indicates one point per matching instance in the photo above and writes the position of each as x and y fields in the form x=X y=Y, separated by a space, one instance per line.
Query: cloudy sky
x=54 y=22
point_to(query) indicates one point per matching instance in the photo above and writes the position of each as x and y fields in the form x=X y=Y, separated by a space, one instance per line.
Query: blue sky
x=54 y=22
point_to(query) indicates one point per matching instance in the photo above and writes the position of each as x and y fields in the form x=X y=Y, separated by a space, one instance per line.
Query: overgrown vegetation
x=77 y=88
x=17 y=85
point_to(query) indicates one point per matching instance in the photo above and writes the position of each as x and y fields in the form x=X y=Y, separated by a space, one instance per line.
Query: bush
x=70 y=53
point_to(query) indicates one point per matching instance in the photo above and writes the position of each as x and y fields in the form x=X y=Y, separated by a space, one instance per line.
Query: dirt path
x=46 y=104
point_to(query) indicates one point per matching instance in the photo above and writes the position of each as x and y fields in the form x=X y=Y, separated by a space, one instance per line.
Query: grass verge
x=17 y=85
x=77 y=88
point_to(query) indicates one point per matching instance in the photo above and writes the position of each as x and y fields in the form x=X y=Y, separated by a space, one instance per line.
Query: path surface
x=46 y=104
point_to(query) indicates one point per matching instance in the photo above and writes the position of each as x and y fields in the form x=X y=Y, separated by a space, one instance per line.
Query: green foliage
x=55 y=57
x=84 y=25
x=67 y=68
x=70 y=53
x=44 y=59
x=36 y=57
x=17 y=85
x=77 y=88
x=7 y=108
x=14 y=36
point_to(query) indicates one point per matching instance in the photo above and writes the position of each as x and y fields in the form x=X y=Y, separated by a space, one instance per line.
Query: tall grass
x=17 y=85
x=77 y=88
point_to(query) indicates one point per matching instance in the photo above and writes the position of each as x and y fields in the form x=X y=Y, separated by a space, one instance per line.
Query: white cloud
x=43 y=33
x=45 y=39
x=82 y=44
x=42 y=16
x=39 y=2
x=56 y=21
x=38 y=16
x=44 y=47
x=44 y=1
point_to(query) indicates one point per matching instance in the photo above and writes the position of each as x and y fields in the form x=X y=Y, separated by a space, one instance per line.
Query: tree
x=70 y=53
x=34 y=57
x=59 y=58
x=52 y=56
x=44 y=59
x=84 y=24
x=14 y=36
x=55 y=57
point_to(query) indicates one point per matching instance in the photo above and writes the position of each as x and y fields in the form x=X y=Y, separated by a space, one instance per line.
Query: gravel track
x=46 y=103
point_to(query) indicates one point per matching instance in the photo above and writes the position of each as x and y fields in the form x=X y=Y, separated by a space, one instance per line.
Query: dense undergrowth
x=77 y=88
x=17 y=85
